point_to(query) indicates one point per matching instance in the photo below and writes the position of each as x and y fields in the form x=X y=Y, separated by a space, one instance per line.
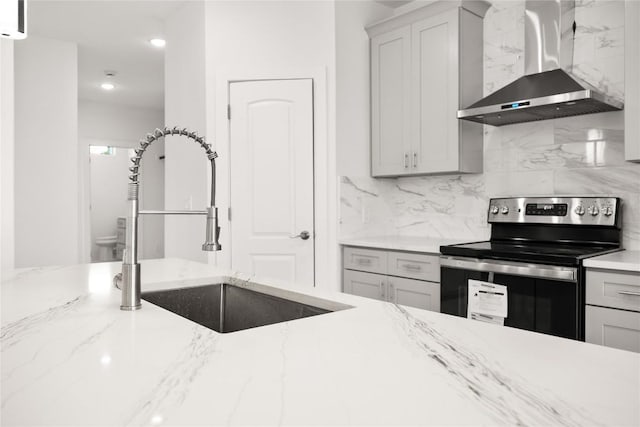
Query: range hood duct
x=546 y=91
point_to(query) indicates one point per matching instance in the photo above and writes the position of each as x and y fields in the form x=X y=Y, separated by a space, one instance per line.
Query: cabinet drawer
x=414 y=266
x=369 y=260
x=363 y=284
x=613 y=289
x=612 y=328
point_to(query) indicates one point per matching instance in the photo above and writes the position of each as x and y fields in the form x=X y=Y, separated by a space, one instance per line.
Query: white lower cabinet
x=375 y=280
x=612 y=314
x=363 y=284
x=613 y=328
x=414 y=293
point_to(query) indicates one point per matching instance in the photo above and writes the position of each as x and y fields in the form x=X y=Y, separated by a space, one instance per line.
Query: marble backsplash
x=581 y=155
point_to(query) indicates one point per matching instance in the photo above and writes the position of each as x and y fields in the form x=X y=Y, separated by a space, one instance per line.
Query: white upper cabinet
x=632 y=81
x=425 y=65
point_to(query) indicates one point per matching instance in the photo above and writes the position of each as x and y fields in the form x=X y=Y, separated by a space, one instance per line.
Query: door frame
x=327 y=274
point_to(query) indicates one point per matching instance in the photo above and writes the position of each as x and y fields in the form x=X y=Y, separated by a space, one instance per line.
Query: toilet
x=106 y=246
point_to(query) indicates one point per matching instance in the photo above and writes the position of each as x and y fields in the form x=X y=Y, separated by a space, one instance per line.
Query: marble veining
x=173 y=385
x=374 y=364
x=581 y=155
x=484 y=381
x=12 y=333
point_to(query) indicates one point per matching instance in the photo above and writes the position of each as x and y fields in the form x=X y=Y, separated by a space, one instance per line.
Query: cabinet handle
x=412 y=267
x=391 y=296
x=406 y=160
x=635 y=294
x=382 y=290
x=364 y=261
x=415 y=159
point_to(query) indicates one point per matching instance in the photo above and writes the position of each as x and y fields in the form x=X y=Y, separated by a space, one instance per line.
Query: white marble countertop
x=71 y=357
x=623 y=261
x=400 y=243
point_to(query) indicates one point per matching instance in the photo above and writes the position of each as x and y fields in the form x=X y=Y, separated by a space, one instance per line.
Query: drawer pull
x=412 y=267
x=364 y=261
x=635 y=294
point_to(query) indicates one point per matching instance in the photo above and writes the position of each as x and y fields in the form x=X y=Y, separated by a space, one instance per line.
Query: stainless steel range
x=536 y=250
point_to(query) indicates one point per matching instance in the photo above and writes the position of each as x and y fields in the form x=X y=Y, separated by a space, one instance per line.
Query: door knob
x=304 y=235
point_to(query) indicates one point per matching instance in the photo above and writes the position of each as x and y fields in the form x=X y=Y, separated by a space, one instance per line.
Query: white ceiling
x=111 y=35
x=114 y=35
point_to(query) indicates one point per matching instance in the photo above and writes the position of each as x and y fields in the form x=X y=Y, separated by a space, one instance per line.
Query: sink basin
x=228 y=308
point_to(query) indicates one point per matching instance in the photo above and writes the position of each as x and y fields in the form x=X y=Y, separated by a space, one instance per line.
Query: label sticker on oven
x=496 y=320
x=487 y=302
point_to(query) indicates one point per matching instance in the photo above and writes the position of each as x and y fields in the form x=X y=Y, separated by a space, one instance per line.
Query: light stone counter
x=623 y=261
x=71 y=357
x=400 y=243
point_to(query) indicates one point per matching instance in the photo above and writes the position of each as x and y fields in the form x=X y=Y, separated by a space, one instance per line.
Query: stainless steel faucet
x=129 y=279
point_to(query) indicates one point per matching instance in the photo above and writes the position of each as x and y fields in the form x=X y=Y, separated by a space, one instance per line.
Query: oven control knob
x=607 y=211
x=593 y=210
x=505 y=210
x=579 y=210
x=494 y=209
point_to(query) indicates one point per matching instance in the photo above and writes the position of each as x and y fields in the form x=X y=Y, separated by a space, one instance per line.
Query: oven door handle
x=568 y=274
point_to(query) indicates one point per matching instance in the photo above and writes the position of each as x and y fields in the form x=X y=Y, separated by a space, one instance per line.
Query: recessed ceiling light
x=158 y=42
x=107 y=86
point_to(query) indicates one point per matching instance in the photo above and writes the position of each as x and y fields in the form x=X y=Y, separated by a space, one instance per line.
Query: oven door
x=540 y=298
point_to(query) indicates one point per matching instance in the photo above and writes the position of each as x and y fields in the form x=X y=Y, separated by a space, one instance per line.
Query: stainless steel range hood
x=546 y=91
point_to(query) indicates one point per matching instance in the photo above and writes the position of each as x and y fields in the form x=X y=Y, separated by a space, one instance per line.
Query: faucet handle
x=117 y=280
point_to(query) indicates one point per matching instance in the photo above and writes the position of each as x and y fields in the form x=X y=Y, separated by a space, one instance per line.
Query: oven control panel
x=548 y=209
x=603 y=211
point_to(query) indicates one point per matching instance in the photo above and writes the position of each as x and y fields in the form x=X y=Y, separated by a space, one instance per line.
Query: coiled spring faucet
x=129 y=279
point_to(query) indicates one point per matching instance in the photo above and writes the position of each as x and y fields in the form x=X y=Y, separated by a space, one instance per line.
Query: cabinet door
x=632 y=85
x=613 y=328
x=414 y=293
x=435 y=95
x=364 y=284
x=390 y=102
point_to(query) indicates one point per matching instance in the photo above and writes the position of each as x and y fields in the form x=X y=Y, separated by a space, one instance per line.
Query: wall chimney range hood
x=546 y=91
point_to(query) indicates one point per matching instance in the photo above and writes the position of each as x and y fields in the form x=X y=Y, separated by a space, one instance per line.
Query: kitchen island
x=71 y=357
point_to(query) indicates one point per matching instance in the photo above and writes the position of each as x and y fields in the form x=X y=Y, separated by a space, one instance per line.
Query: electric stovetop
x=532 y=252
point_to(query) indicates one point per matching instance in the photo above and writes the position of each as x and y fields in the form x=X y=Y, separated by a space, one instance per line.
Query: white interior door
x=271 y=149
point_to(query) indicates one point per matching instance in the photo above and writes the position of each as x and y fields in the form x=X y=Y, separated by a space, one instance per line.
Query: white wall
x=120 y=126
x=117 y=122
x=7 y=259
x=186 y=165
x=46 y=153
x=278 y=39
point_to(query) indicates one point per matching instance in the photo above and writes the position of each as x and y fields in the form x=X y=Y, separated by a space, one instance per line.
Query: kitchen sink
x=228 y=308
